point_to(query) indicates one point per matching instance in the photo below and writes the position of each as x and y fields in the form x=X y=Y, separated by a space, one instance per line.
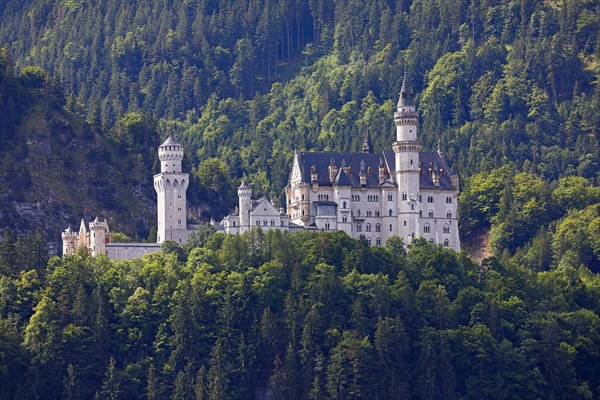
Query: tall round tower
x=245 y=198
x=406 y=149
x=171 y=186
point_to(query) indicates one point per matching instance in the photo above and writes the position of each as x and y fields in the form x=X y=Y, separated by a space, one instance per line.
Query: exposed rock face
x=56 y=169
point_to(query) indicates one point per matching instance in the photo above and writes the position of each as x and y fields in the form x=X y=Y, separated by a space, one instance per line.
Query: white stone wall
x=371 y=206
x=128 y=251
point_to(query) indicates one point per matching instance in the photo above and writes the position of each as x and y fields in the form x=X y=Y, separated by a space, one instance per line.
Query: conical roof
x=407 y=98
x=170 y=142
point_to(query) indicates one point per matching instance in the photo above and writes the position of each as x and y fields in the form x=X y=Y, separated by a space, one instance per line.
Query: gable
x=264 y=208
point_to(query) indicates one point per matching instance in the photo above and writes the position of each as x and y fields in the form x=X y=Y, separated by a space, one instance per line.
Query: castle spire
x=407 y=97
x=367 y=146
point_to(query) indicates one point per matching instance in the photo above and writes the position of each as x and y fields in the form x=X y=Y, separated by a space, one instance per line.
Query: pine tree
x=110 y=384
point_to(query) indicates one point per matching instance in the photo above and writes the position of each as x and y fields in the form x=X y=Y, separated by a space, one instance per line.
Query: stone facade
x=400 y=192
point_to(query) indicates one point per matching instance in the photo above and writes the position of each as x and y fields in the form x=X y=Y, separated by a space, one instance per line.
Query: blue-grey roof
x=351 y=177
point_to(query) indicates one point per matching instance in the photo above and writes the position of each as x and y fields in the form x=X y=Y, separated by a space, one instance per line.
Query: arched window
x=390 y=197
x=430 y=214
x=344 y=204
x=368 y=227
x=378 y=228
x=390 y=212
x=404 y=196
x=449 y=200
x=426 y=228
x=446 y=243
x=378 y=241
x=448 y=214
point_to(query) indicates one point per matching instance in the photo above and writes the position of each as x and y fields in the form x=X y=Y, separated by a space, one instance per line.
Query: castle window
x=257 y=223
x=302 y=196
x=404 y=223
x=281 y=223
x=404 y=196
x=377 y=213
x=368 y=227
x=430 y=199
x=344 y=219
x=449 y=200
x=378 y=241
x=344 y=204
x=390 y=197
x=390 y=212
x=446 y=229
x=369 y=241
x=327 y=225
x=368 y=213
x=412 y=206
x=420 y=199
x=233 y=223
x=272 y=222
x=448 y=214
x=430 y=214
x=358 y=228
x=446 y=243
x=265 y=222
x=179 y=221
x=378 y=228
x=179 y=196
x=426 y=229
x=420 y=213
x=391 y=228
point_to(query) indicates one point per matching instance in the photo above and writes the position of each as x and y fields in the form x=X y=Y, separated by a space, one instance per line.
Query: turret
x=69 y=239
x=244 y=198
x=170 y=154
x=406 y=117
x=99 y=236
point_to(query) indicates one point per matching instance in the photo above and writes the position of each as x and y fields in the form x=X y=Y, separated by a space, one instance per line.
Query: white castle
x=400 y=192
x=171 y=186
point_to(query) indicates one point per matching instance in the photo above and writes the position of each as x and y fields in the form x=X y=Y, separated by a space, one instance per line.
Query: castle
x=171 y=186
x=400 y=192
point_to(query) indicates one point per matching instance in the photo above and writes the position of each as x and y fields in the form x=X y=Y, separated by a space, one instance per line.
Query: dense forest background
x=509 y=88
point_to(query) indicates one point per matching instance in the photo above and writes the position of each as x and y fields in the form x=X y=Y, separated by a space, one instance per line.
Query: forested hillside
x=302 y=316
x=56 y=169
x=508 y=88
